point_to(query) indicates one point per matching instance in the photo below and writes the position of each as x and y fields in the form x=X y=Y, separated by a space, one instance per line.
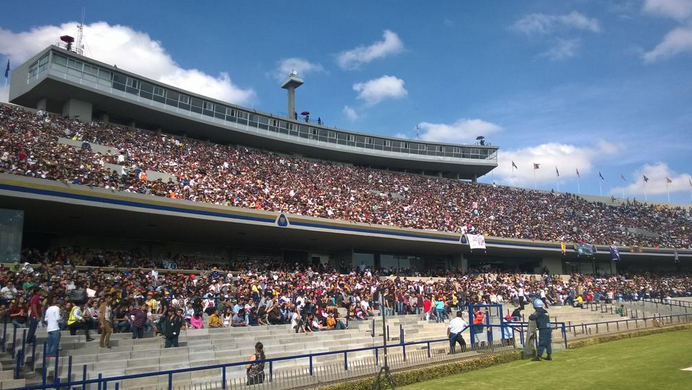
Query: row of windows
x=185 y=102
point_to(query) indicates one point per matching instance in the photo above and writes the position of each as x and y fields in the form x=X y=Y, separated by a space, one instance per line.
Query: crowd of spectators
x=139 y=299
x=242 y=177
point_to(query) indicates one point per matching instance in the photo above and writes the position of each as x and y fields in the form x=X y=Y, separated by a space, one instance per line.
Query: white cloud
x=376 y=90
x=350 y=113
x=401 y=135
x=676 y=9
x=675 y=42
x=354 y=58
x=302 y=66
x=541 y=24
x=460 y=132
x=657 y=174
x=131 y=50
x=563 y=49
x=566 y=157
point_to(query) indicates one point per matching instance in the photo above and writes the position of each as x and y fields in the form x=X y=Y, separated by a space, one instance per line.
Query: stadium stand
x=34 y=145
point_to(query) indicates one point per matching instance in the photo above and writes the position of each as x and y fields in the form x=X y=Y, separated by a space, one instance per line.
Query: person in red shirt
x=427 y=308
x=35 y=314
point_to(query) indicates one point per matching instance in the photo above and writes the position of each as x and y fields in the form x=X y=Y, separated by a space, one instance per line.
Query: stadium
x=172 y=238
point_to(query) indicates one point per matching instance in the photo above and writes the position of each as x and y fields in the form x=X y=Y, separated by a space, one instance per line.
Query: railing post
x=44 y=369
x=387 y=332
x=18 y=365
x=99 y=380
x=14 y=342
x=69 y=369
x=564 y=335
x=377 y=356
x=345 y=361
x=271 y=370
x=401 y=333
x=223 y=377
x=4 y=332
x=33 y=355
x=84 y=376
x=429 y=354
x=170 y=381
x=310 y=365
x=23 y=346
x=373 y=327
x=403 y=350
x=56 y=377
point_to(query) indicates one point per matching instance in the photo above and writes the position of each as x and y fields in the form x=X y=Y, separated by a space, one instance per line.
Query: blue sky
x=584 y=84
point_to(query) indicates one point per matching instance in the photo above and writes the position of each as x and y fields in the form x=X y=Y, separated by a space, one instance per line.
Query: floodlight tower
x=291 y=83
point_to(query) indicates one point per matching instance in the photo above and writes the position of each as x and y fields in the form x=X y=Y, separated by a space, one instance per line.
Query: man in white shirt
x=456 y=326
x=52 y=319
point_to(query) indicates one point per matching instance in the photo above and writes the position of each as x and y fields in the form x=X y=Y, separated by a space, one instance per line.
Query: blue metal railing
x=516 y=326
x=103 y=382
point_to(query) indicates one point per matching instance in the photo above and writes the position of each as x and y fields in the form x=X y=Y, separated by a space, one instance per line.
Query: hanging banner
x=585 y=249
x=614 y=253
x=476 y=241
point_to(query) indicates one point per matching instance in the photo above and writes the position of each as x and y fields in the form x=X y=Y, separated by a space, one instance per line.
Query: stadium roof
x=63 y=81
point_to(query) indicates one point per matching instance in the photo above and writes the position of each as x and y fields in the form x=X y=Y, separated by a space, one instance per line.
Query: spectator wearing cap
x=174 y=324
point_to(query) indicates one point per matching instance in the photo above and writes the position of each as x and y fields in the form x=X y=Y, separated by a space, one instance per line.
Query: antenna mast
x=79 y=48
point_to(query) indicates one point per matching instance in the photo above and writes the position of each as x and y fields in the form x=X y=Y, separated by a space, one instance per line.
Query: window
x=440 y=149
x=184 y=99
x=368 y=140
x=209 y=106
x=132 y=83
x=351 y=138
x=59 y=59
x=158 y=91
x=387 y=143
x=92 y=70
x=230 y=111
x=404 y=145
x=422 y=147
x=313 y=131
x=331 y=134
x=457 y=150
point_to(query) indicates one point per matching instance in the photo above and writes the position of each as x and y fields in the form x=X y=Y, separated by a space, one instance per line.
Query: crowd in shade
x=309 y=299
x=229 y=175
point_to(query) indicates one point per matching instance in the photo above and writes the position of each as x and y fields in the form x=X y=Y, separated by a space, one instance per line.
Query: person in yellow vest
x=214 y=320
x=77 y=320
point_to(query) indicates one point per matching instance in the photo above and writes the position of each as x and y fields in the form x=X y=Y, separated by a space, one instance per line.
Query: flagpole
x=579 y=185
x=667 y=191
x=534 y=177
x=623 y=192
x=600 y=186
x=645 y=197
x=7 y=90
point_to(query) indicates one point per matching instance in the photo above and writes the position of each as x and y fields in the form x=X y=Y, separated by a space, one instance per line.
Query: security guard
x=544 y=330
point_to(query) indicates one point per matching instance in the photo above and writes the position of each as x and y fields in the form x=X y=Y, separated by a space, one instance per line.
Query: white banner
x=476 y=241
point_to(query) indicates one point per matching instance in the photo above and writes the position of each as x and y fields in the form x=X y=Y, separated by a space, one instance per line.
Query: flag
x=622 y=177
x=536 y=166
x=645 y=178
x=7 y=70
x=514 y=165
x=557 y=172
x=668 y=180
x=578 y=172
x=614 y=253
x=601 y=176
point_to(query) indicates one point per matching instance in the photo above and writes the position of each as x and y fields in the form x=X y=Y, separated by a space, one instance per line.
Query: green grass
x=651 y=362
